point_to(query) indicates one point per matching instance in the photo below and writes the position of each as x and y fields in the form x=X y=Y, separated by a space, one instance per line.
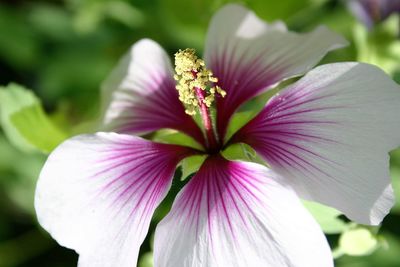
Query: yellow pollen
x=192 y=73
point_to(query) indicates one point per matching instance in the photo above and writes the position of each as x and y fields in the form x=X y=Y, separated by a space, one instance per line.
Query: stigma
x=194 y=80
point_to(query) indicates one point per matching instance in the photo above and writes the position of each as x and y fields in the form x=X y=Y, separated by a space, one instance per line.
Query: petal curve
x=330 y=134
x=96 y=194
x=248 y=56
x=140 y=95
x=236 y=214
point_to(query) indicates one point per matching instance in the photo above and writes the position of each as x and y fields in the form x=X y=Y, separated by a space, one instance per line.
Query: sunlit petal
x=330 y=133
x=140 y=94
x=236 y=214
x=248 y=55
x=96 y=194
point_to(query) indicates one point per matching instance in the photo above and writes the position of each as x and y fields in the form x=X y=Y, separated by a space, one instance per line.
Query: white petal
x=330 y=134
x=236 y=214
x=96 y=194
x=140 y=95
x=248 y=55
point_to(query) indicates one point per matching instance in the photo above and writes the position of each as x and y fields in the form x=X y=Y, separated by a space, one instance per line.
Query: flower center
x=197 y=91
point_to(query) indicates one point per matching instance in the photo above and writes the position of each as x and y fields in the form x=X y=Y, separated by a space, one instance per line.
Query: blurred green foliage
x=62 y=50
x=24 y=121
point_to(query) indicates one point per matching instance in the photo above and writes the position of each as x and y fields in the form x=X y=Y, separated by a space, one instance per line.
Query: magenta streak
x=208 y=197
x=288 y=153
x=243 y=174
x=147 y=208
x=229 y=72
x=295 y=113
x=274 y=157
x=199 y=204
x=137 y=182
x=227 y=63
x=276 y=140
x=142 y=167
x=133 y=188
x=229 y=183
x=196 y=190
x=221 y=200
x=211 y=182
x=296 y=135
x=216 y=196
x=128 y=157
x=300 y=122
x=124 y=173
x=164 y=116
x=155 y=194
x=254 y=75
x=160 y=116
x=206 y=117
x=111 y=207
x=277 y=105
x=146 y=159
x=125 y=147
x=193 y=196
x=187 y=199
x=150 y=182
x=146 y=165
x=246 y=89
x=244 y=201
x=254 y=83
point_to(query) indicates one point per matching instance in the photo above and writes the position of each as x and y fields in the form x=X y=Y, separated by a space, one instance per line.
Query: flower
x=325 y=138
x=371 y=12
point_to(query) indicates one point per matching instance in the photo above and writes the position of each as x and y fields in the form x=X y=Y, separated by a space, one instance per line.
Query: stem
x=212 y=142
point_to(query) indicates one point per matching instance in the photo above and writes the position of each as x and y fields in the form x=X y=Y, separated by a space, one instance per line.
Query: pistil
x=206 y=118
x=197 y=90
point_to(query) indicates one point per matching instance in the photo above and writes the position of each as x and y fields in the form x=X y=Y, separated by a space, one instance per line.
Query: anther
x=192 y=74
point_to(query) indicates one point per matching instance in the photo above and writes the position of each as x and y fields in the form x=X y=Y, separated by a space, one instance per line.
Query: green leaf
x=11 y=101
x=358 y=242
x=238 y=121
x=387 y=254
x=34 y=125
x=191 y=165
x=146 y=260
x=24 y=121
x=241 y=151
x=177 y=138
x=251 y=108
x=395 y=174
x=327 y=217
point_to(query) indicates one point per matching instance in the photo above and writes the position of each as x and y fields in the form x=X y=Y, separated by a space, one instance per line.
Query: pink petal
x=140 y=94
x=237 y=214
x=248 y=56
x=96 y=194
x=330 y=134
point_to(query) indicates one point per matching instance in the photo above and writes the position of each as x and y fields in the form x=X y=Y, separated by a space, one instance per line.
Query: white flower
x=325 y=138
